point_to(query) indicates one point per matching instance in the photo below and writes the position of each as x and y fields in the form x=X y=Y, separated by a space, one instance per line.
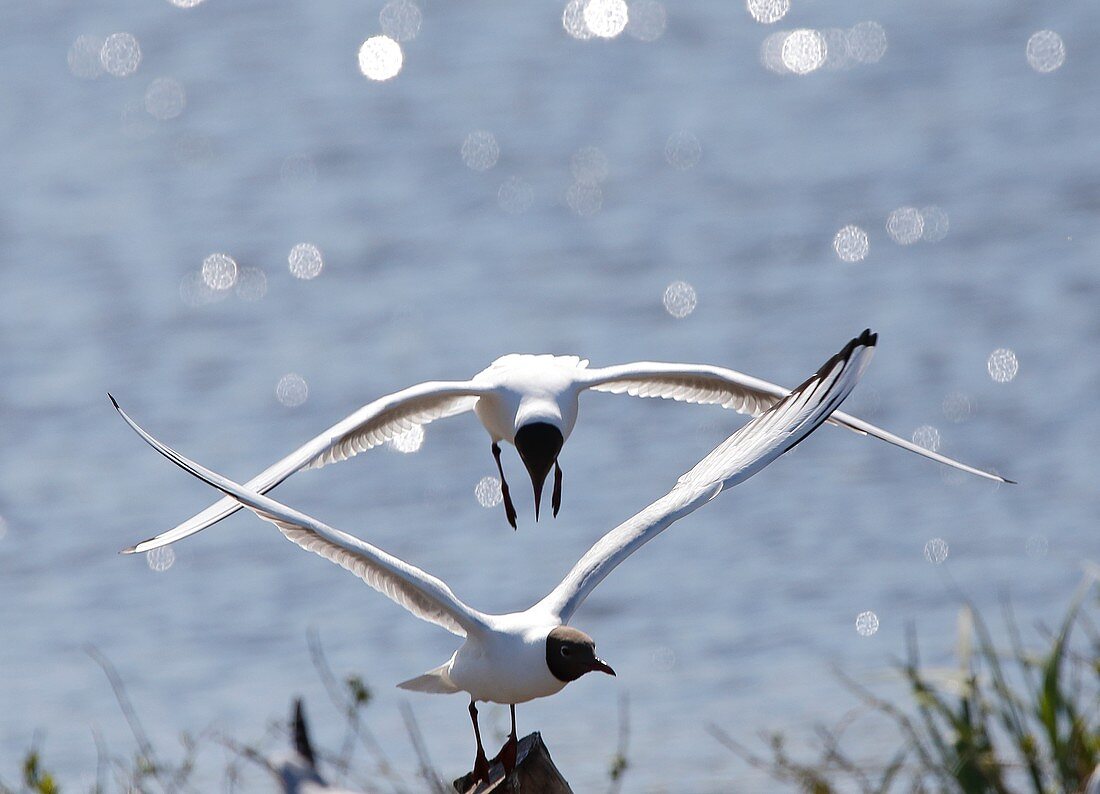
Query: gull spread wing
x=368 y=427
x=420 y=593
x=701 y=383
x=737 y=458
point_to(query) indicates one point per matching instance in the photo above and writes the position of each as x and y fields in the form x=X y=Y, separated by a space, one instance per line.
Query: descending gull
x=531 y=402
x=516 y=657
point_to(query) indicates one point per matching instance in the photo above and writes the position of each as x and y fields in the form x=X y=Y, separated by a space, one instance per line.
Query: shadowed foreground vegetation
x=1005 y=721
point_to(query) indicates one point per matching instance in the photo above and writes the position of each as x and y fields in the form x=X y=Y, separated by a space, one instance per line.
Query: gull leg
x=507 y=754
x=481 y=764
x=556 y=501
x=509 y=508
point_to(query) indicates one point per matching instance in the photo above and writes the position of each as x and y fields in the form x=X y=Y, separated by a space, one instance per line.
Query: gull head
x=538 y=444
x=571 y=653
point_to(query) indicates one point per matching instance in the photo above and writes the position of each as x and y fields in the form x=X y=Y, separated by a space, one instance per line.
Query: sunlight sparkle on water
x=251 y=284
x=120 y=54
x=1045 y=51
x=851 y=244
x=606 y=18
x=935 y=551
x=648 y=20
x=866 y=623
x=768 y=11
x=165 y=98
x=160 y=559
x=305 y=261
x=1002 y=365
x=867 y=42
x=400 y=19
x=679 y=299
x=185 y=3
x=584 y=198
x=572 y=19
x=804 y=51
x=957 y=407
x=928 y=437
x=515 y=195
x=488 y=492
x=480 y=150
x=292 y=390
x=683 y=150
x=219 y=271
x=408 y=441
x=936 y=223
x=380 y=58
x=905 y=225
x=84 y=57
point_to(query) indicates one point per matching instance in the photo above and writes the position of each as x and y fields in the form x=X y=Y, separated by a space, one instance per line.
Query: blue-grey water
x=734 y=616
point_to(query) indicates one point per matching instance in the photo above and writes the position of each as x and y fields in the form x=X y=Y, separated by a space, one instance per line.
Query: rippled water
x=445 y=203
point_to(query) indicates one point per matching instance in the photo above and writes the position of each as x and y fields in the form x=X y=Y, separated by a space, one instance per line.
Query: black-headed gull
x=516 y=657
x=531 y=402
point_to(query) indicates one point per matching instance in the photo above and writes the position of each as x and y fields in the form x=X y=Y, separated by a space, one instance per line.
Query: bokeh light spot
x=185 y=3
x=606 y=18
x=1045 y=51
x=768 y=11
x=84 y=57
x=1002 y=365
x=120 y=54
x=584 y=198
x=480 y=150
x=936 y=223
x=867 y=42
x=400 y=20
x=572 y=19
x=488 y=492
x=683 y=150
x=165 y=98
x=851 y=244
x=219 y=271
x=380 y=58
x=928 y=437
x=292 y=390
x=905 y=225
x=804 y=51
x=957 y=407
x=679 y=299
x=515 y=195
x=408 y=441
x=305 y=261
x=936 y=550
x=161 y=559
x=589 y=164
x=251 y=284
x=866 y=623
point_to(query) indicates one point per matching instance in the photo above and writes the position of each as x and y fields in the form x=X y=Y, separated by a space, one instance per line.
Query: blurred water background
x=514 y=188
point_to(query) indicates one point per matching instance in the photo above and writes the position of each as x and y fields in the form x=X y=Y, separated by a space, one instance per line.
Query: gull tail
x=437 y=681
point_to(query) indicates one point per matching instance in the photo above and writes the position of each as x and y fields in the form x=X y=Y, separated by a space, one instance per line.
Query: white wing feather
x=368 y=427
x=701 y=383
x=739 y=457
x=420 y=593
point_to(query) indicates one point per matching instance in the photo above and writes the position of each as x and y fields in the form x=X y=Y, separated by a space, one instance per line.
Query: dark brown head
x=538 y=444
x=571 y=653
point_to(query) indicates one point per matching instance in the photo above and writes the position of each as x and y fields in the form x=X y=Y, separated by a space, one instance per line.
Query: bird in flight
x=530 y=402
x=519 y=656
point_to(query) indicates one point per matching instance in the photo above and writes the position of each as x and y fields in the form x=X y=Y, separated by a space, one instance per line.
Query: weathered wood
x=535 y=773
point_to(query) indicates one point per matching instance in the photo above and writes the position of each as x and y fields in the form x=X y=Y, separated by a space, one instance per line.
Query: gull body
x=517 y=657
x=531 y=402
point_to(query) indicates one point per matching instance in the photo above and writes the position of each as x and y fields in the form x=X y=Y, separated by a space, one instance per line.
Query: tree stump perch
x=535 y=773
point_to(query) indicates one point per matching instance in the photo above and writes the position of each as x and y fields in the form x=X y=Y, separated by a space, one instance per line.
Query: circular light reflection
x=572 y=19
x=928 y=437
x=606 y=18
x=488 y=492
x=935 y=551
x=584 y=198
x=1002 y=365
x=400 y=19
x=160 y=559
x=185 y=3
x=867 y=42
x=680 y=299
x=305 y=261
x=380 y=58
x=905 y=225
x=589 y=165
x=120 y=54
x=480 y=150
x=866 y=623
x=768 y=11
x=936 y=223
x=165 y=98
x=408 y=441
x=84 y=57
x=219 y=271
x=804 y=51
x=515 y=195
x=1045 y=51
x=292 y=390
x=851 y=244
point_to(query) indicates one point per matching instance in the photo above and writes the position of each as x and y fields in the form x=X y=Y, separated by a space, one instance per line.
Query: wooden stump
x=535 y=773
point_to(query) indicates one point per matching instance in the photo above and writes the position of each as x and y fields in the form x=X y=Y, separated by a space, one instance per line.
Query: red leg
x=507 y=754
x=481 y=763
x=509 y=508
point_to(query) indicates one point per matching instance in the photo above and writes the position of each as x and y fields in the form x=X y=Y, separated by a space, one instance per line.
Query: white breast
x=507 y=666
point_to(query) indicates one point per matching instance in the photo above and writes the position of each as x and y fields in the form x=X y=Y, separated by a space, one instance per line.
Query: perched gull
x=516 y=657
x=530 y=402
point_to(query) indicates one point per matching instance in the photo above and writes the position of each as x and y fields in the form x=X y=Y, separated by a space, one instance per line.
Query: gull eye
x=565 y=650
